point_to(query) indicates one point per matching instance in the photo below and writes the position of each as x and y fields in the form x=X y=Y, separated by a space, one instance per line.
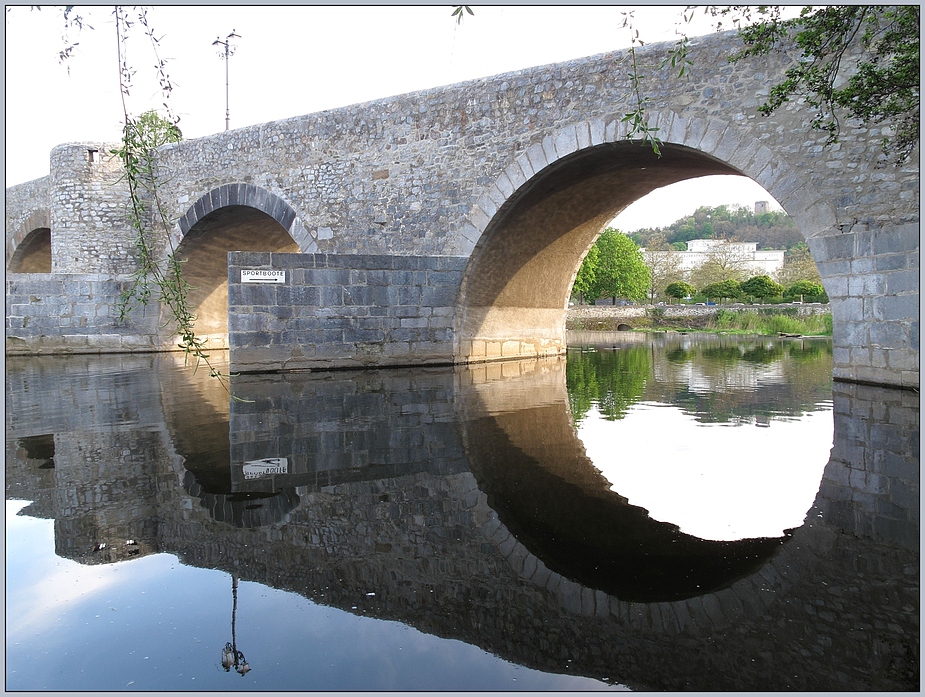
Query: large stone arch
x=233 y=217
x=29 y=248
x=533 y=225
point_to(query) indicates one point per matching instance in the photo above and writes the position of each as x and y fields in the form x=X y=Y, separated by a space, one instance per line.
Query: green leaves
x=762 y=286
x=677 y=57
x=458 y=12
x=883 y=86
x=679 y=290
x=723 y=289
x=637 y=118
x=614 y=267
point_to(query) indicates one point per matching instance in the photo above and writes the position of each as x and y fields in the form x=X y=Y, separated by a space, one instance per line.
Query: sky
x=295 y=60
x=714 y=493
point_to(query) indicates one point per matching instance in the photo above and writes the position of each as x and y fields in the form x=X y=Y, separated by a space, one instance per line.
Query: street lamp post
x=231 y=657
x=226 y=54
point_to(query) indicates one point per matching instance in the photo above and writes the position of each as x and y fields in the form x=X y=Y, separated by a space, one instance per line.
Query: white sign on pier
x=263 y=276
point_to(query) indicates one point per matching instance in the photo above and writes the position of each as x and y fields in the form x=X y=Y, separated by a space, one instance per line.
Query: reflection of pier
x=394 y=491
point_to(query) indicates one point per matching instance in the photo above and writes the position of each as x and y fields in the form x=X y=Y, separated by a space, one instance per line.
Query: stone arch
x=249 y=196
x=529 y=230
x=233 y=217
x=29 y=248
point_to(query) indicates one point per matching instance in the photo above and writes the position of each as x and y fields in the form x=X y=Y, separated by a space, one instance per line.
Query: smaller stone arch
x=252 y=197
x=232 y=217
x=29 y=248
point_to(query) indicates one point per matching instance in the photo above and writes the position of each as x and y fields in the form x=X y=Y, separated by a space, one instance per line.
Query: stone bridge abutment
x=447 y=225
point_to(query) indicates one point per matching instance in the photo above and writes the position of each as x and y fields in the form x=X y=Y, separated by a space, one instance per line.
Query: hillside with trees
x=772 y=230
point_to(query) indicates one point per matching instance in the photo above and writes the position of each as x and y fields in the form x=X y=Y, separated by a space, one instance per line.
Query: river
x=667 y=512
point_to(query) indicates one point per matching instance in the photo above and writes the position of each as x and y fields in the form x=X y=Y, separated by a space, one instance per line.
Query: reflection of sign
x=265 y=467
x=262 y=276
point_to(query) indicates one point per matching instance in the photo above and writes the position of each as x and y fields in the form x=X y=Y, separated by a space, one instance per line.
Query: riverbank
x=752 y=319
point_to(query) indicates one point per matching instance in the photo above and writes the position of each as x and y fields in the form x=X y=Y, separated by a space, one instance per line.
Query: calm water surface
x=649 y=513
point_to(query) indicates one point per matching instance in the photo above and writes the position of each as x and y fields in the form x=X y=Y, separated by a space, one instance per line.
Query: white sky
x=292 y=61
x=714 y=481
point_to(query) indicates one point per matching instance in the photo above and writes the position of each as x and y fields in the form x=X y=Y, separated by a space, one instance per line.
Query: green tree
x=728 y=289
x=587 y=272
x=679 y=289
x=804 y=288
x=883 y=87
x=762 y=287
x=621 y=271
x=155 y=130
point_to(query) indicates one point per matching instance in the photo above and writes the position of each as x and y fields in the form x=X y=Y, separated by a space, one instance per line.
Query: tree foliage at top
x=728 y=289
x=583 y=286
x=762 y=286
x=804 y=288
x=679 y=290
x=883 y=87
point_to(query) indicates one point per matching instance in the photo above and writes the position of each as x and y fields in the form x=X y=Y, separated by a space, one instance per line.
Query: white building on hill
x=755 y=262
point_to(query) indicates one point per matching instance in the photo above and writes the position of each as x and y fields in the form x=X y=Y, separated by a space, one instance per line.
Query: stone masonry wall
x=406 y=174
x=74 y=313
x=872 y=277
x=341 y=311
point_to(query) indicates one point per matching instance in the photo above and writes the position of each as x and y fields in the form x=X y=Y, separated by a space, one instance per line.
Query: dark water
x=649 y=514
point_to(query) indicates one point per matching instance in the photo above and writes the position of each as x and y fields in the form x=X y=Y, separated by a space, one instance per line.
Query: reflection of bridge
x=447 y=225
x=420 y=502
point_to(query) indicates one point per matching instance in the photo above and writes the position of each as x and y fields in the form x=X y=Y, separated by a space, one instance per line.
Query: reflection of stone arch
x=514 y=438
x=243 y=510
x=195 y=409
x=530 y=229
x=29 y=248
x=233 y=217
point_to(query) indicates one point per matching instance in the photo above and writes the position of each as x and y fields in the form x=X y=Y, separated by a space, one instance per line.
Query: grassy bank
x=764 y=321
x=771 y=322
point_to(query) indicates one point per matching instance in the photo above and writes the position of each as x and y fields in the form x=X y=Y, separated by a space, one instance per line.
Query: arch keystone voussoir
x=566 y=141
x=537 y=157
x=596 y=128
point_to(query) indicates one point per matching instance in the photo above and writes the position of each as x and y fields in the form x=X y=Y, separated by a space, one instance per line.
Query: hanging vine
x=158 y=275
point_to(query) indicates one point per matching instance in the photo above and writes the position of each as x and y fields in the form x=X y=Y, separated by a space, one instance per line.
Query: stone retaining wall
x=630 y=311
x=75 y=313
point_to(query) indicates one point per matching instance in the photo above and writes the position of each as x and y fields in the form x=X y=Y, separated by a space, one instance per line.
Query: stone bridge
x=447 y=225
